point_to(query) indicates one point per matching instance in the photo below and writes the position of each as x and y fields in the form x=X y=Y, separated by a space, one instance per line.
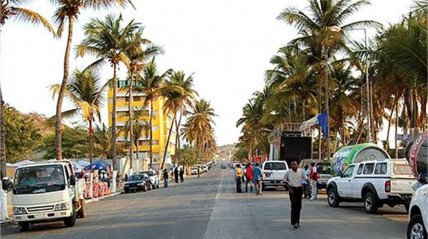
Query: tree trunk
x=167 y=141
x=131 y=131
x=2 y=138
x=91 y=143
x=422 y=118
x=389 y=123
x=58 y=125
x=151 y=134
x=113 y=119
x=396 y=129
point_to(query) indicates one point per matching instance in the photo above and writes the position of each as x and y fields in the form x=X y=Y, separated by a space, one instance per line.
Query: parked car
x=375 y=183
x=137 y=182
x=273 y=173
x=194 y=170
x=324 y=173
x=154 y=178
x=418 y=224
x=204 y=168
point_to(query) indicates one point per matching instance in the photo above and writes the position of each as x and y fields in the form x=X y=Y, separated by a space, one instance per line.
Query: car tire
x=149 y=187
x=370 y=203
x=126 y=190
x=82 y=212
x=333 y=198
x=70 y=221
x=157 y=186
x=24 y=226
x=416 y=228
x=144 y=188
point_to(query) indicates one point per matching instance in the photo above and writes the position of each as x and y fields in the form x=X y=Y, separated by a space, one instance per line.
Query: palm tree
x=137 y=58
x=109 y=41
x=150 y=83
x=103 y=143
x=86 y=92
x=69 y=10
x=179 y=97
x=198 y=130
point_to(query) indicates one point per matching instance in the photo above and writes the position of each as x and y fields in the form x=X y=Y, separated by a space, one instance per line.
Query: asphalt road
x=208 y=207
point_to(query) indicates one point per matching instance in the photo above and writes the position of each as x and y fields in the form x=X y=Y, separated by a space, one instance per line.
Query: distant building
x=160 y=125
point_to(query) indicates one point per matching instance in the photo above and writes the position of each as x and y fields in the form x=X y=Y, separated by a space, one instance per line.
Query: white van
x=273 y=173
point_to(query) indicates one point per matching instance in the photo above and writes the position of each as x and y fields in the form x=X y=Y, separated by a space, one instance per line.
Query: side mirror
x=73 y=180
x=7 y=184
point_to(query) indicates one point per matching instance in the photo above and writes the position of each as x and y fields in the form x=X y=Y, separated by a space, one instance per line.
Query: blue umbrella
x=96 y=166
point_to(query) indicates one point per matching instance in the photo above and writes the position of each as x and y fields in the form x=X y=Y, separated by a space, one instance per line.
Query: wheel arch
x=368 y=187
x=331 y=185
x=415 y=210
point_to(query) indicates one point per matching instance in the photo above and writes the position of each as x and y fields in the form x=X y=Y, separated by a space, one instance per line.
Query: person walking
x=258 y=177
x=181 y=174
x=305 y=185
x=313 y=176
x=249 y=177
x=176 y=174
x=293 y=180
x=165 y=178
x=238 y=178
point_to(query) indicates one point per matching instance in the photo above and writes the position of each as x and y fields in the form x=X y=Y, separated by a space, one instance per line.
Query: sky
x=227 y=44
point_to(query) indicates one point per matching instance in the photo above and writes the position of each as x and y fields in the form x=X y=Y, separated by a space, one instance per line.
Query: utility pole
x=2 y=138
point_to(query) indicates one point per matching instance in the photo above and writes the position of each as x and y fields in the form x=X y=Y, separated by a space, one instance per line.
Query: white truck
x=273 y=173
x=47 y=191
x=375 y=183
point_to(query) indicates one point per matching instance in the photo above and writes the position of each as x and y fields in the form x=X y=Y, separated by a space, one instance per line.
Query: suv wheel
x=70 y=221
x=370 y=203
x=24 y=226
x=333 y=197
x=416 y=229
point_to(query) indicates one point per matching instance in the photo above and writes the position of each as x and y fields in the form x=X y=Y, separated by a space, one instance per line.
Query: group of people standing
x=177 y=173
x=253 y=175
x=310 y=184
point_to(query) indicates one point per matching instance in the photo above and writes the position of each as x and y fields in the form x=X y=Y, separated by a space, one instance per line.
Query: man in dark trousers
x=181 y=174
x=293 y=180
x=176 y=174
x=165 y=178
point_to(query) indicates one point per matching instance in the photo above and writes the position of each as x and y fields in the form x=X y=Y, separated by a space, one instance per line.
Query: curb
x=6 y=222
x=101 y=198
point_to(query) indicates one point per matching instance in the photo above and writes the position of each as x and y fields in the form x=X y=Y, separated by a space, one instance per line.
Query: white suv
x=375 y=183
x=154 y=178
x=273 y=173
x=417 y=228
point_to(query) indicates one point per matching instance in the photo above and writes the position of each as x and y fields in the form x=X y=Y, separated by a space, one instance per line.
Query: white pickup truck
x=273 y=173
x=47 y=191
x=375 y=183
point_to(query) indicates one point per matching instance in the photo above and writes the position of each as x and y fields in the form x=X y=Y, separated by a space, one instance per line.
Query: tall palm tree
x=68 y=11
x=198 y=130
x=109 y=41
x=137 y=59
x=150 y=83
x=179 y=94
x=85 y=91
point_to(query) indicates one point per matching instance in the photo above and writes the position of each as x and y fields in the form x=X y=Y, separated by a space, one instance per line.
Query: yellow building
x=161 y=124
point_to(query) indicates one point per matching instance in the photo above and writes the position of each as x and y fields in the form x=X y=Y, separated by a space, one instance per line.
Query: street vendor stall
x=357 y=153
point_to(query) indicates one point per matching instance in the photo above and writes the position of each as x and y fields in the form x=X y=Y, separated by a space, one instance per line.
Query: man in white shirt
x=292 y=179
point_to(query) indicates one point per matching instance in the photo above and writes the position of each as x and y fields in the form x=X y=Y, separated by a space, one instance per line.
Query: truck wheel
x=416 y=228
x=82 y=212
x=149 y=186
x=370 y=203
x=70 y=221
x=24 y=226
x=333 y=198
x=144 y=188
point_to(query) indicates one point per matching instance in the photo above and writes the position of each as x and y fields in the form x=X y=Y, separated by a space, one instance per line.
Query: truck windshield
x=39 y=179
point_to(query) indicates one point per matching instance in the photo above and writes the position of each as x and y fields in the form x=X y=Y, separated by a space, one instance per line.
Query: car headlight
x=19 y=210
x=140 y=184
x=62 y=206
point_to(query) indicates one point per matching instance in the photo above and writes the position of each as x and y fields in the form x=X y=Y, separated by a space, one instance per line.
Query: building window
x=137 y=98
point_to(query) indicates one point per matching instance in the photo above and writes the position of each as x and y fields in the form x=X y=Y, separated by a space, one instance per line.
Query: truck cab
x=46 y=191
